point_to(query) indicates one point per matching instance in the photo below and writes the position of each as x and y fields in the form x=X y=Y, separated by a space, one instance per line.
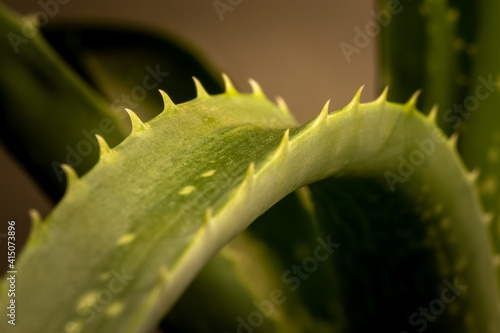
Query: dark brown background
x=291 y=47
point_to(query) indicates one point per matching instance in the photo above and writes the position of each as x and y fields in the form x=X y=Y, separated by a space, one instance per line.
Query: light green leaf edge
x=148 y=210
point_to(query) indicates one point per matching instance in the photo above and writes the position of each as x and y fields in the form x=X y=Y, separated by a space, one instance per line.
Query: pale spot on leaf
x=74 y=326
x=125 y=239
x=114 y=309
x=187 y=190
x=208 y=173
x=87 y=301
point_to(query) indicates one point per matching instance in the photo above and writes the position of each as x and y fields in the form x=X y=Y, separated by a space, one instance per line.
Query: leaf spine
x=71 y=177
x=354 y=103
x=412 y=102
x=137 y=124
x=284 y=146
x=256 y=89
x=383 y=96
x=453 y=140
x=474 y=175
x=433 y=114
x=322 y=118
x=35 y=217
x=200 y=90
x=280 y=102
x=249 y=180
x=104 y=149
x=230 y=89
x=168 y=105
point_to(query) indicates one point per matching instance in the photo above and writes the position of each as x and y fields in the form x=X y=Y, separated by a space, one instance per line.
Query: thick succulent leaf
x=402 y=46
x=125 y=66
x=256 y=273
x=400 y=253
x=47 y=112
x=421 y=48
x=128 y=65
x=129 y=237
x=462 y=51
x=480 y=142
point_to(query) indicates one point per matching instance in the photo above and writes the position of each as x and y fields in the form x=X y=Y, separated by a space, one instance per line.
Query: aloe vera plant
x=364 y=217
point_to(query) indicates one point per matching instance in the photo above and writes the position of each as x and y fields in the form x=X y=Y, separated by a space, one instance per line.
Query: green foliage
x=362 y=216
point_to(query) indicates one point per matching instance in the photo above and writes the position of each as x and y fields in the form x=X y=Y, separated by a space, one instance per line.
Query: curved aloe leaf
x=36 y=85
x=462 y=40
x=402 y=48
x=192 y=178
x=424 y=47
x=128 y=65
x=480 y=143
x=254 y=277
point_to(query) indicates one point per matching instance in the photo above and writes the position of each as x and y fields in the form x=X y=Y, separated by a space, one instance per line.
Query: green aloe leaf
x=125 y=66
x=48 y=114
x=132 y=233
x=254 y=279
x=427 y=45
x=128 y=65
x=455 y=61
x=480 y=141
